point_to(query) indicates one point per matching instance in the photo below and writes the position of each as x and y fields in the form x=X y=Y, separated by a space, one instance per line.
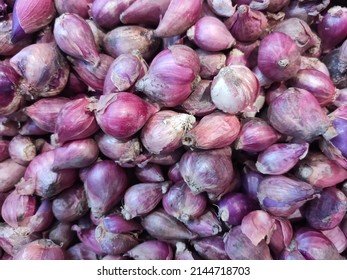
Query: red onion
x=93 y=76
x=250 y=182
x=44 y=69
x=75 y=38
x=313 y=63
x=211 y=248
x=167 y=159
x=75 y=154
x=105 y=185
x=210 y=63
x=279 y=57
x=6 y=46
x=123 y=151
x=206 y=135
x=122 y=114
x=39 y=178
x=313 y=245
x=171 y=76
x=239 y=247
x=316 y=169
x=256 y=135
x=199 y=102
x=298 y=114
x=174 y=173
x=205 y=225
x=88 y=237
x=145 y=12
x=282 y=196
x=123 y=73
x=126 y=39
x=22 y=149
x=70 y=205
x=151 y=250
x=164 y=131
x=182 y=204
x=337 y=237
x=114 y=243
x=332 y=62
x=332 y=27
x=316 y=82
x=280 y=158
x=30 y=128
x=222 y=8
x=234 y=89
x=44 y=112
x=75 y=121
x=300 y=32
x=233 y=207
x=4 y=153
x=98 y=34
x=210 y=171
x=150 y=173
x=80 y=251
x=187 y=11
x=61 y=234
x=327 y=210
x=30 y=16
x=10 y=98
x=41 y=249
x=115 y=223
x=10 y=174
x=236 y=57
x=142 y=198
x=162 y=226
x=106 y=12
x=210 y=34
x=247 y=25
x=80 y=7
x=281 y=235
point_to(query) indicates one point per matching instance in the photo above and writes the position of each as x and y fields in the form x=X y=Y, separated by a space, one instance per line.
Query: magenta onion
x=171 y=76
x=298 y=114
x=282 y=196
x=122 y=114
x=105 y=185
x=207 y=135
x=278 y=57
x=41 y=249
x=40 y=179
x=140 y=199
x=163 y=132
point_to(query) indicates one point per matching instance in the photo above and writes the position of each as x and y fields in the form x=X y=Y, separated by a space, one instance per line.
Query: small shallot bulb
x=247 y=25
x=140 y=199
x=122 y=114
x=30 y=16
x=4 y=153
x=130 y=38
x=337 y=237
x=151 y=250
x=22 y=149
x=187 y=11
x=222 y=8
x=171 y=76
x=181 y=203
x=256 y=135
x=210 y=63
x=234 y=89
x=326 y=211
x=164 y=131
x=75 y=38
x=41 y=249
x=150 y=173
x=278 y=57
x=80 y=7
x=205 y=225
x=298 y=114
x=280 y=158
x=10 y=174
x=211 y=248
x=282 y=196
x=210 y=170
x=216 y=130
x=210 y=34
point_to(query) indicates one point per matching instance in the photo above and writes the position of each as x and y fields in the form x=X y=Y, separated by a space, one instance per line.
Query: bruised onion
x=105 y=185
x=234 y=89
x=41 y=249
x=278 y=57
x=142 y=198
x=171 y=76
x=216 y=130
x=122 y=114
x=164 y=131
